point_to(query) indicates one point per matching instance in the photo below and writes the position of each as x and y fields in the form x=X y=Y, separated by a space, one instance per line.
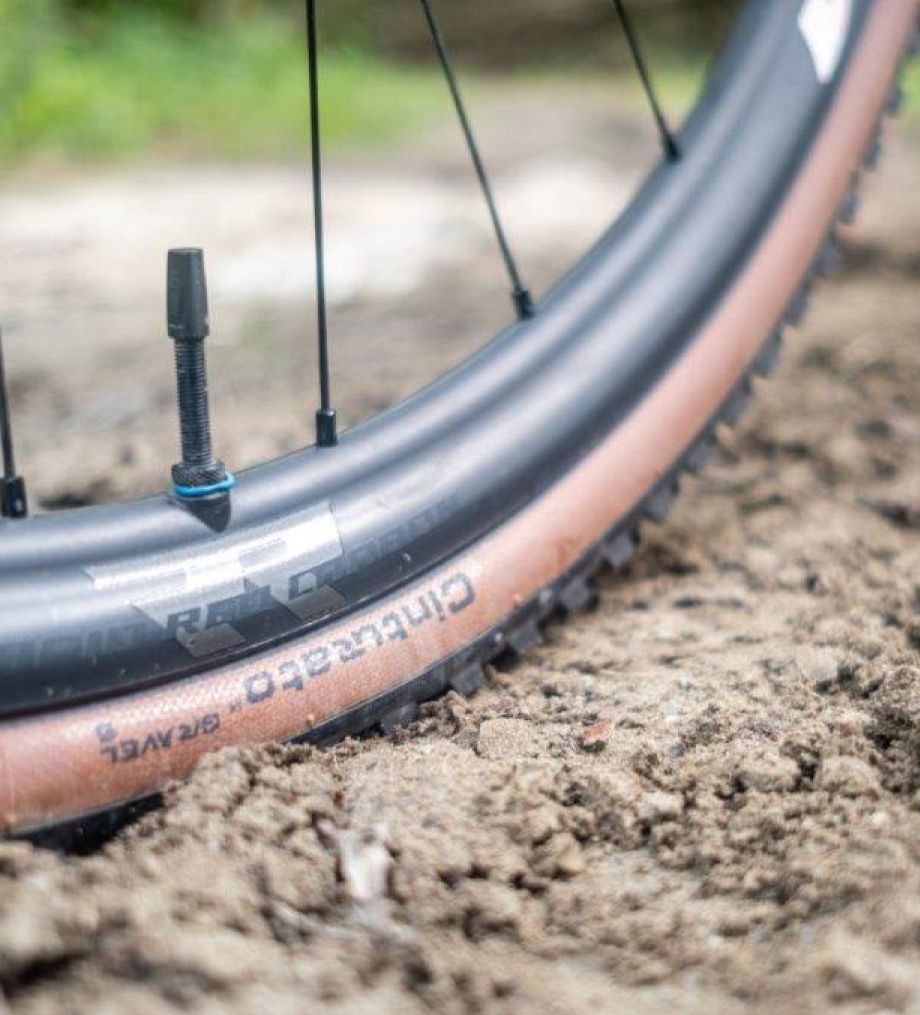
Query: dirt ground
x=703 y=796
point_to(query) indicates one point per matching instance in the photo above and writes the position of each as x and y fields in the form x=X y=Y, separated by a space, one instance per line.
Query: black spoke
x=668 y=142
x=326 y=435
x=13 y=494
x=520 y=294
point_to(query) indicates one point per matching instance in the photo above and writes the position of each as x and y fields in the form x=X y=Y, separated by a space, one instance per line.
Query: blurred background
x=94 y=78
x=131 y=128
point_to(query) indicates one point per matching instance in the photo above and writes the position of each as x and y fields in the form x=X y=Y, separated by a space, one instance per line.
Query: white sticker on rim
x=824 y=25
x=198 y=596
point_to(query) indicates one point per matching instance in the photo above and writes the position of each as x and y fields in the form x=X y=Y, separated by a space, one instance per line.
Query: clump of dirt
x=705 y=793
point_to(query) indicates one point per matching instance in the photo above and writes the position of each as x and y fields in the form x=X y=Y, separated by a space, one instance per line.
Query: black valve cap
x=187 y=296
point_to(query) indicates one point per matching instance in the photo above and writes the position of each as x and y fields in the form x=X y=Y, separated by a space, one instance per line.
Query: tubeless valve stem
x=199 y=474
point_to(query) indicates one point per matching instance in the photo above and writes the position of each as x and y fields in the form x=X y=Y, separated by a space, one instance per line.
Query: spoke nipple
x=326 y=428
x=671 y=149
x=199 y=474
x=13 y=502
x=523 y=303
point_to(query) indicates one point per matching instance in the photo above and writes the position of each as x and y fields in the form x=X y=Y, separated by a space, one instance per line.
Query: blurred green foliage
x=99 y=78
x=135 y=81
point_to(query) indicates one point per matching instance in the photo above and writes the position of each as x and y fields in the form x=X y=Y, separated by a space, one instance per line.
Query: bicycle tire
x=379 y=574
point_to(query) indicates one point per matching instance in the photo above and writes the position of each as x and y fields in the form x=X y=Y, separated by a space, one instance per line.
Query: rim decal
x=824 y=25
x=197 y=598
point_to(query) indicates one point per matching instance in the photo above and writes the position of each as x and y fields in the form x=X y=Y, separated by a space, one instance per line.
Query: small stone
x=848 y=776
x=850 y=722
x=658 y=806
x=768 y=771
x=819 y=666
x=491 y=909
x=594 y=738
x=560 y=857
x=856 y=969
x=542 y=822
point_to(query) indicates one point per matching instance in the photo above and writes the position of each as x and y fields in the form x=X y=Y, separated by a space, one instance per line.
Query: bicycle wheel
x=338 y=587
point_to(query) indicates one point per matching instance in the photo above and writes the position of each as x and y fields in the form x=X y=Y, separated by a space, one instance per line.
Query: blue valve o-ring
x=197 y=492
